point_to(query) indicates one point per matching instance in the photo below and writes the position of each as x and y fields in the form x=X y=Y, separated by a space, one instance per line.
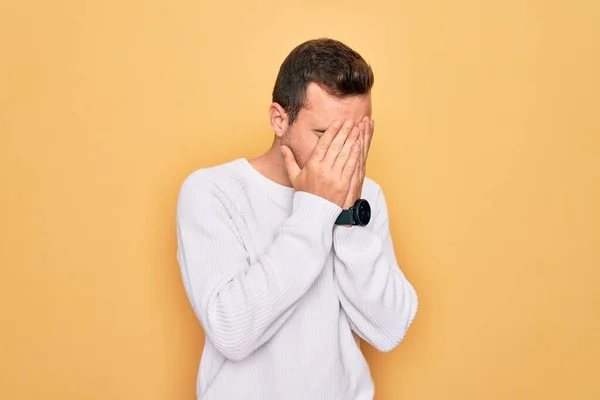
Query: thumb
x=290 y=163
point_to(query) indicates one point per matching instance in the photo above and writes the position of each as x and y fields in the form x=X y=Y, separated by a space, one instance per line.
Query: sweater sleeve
x=239 y=304
x=378 y=299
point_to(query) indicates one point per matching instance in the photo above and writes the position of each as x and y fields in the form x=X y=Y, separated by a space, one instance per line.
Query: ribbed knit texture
x=279 y=289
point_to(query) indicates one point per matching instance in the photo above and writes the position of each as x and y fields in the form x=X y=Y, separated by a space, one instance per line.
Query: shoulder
x=371 y=190
x=373 y=193
x=217 y=182
x=225 y=176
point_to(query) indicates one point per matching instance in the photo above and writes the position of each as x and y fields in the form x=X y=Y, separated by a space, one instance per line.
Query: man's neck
x=271 y=165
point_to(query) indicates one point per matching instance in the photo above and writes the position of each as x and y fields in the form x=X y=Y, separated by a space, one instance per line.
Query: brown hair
x=332 y=65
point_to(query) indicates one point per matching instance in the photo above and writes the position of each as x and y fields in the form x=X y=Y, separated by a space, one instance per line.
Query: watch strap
x=345 y=218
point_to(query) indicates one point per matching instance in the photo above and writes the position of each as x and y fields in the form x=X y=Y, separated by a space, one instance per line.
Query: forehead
x=322 y=109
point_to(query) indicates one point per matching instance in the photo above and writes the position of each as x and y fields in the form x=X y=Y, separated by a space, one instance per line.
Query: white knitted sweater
x=279 y=289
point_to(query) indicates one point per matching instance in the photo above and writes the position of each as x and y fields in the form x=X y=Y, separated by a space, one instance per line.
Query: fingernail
x=282 y=150
x=349 y=123
x=337 y=124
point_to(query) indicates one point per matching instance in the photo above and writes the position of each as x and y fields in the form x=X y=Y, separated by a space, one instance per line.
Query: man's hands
x=330 y=168
x=366 y=128
x=336 y=167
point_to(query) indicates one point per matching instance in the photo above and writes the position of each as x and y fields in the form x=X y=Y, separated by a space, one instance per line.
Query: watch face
x=364 y=213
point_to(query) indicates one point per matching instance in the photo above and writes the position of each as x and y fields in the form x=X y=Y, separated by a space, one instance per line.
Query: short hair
x=329 y=63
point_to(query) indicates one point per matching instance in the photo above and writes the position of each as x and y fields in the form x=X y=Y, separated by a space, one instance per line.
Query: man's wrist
x=349 y=204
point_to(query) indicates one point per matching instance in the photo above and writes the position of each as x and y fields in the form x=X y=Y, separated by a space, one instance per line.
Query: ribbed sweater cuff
x=315 y=210
x=356 y=241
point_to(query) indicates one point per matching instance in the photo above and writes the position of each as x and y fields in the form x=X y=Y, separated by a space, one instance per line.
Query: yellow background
x=487 y=145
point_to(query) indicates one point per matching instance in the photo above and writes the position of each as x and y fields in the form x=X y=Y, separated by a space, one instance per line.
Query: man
x=278 y=268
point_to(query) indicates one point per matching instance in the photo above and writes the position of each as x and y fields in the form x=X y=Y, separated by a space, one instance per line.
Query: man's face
x=320 y=111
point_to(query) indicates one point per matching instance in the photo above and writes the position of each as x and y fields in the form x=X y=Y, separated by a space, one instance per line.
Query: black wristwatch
x=358 y=214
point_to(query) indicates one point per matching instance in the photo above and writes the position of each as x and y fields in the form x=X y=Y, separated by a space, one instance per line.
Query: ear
x=279 y=119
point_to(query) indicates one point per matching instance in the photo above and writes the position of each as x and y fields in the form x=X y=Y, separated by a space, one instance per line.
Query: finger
x=363 y=137
x=361 y=175
x=361 y=130
x=362 y=160
x=351 y=164
x=291 y=165
x=337 y=144
x=369 y=136
x=325 y=141
x=354 y=183
x=357 y=172
x=344 y=154
x=361 y=166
